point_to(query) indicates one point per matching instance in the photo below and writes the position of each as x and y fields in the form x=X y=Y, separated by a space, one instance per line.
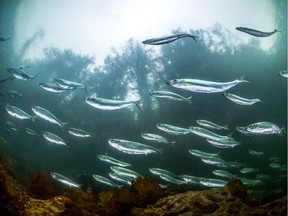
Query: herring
x=105 y=181
x=51 y=87
x=121 y=178
x=170 y=129
x=168 y=39
x=224 y=143
x=17 y=112
x=64 y=180
x=66 y=84
x=255 y=153
x=159 y=171
x=211 y=125
x=109 y=104
x=214 y=183
x=170 y=95
x=79 y=132
x=47 y=115
x=240 y=100
x=53 y=138
x=114 y=161
x=261 y=128
x=31 y=132
x=131 y=147
x=224 y=174
x=20 y=74
x=125 y=172
x=208 y=134
x=155 y=137
x=256 y=32
x=14 y=94
x=203 y=86
x=202 y=154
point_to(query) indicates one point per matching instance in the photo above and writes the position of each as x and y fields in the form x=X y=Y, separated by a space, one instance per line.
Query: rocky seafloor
x=144 y=198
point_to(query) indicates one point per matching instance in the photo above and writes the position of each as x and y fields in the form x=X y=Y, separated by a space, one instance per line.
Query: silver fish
x=155 y=137
x=125 y=172
x=31 y=132
x=106 y=181
x=109 y=104
x=168 y=39
x=240 y=100
x=170 y=129
x=79 y=133
x=131 y=147
x=172 y=179
x=202 y=154
x=250 y=182
x=255 y=153
x=53 y=138
x=214 y=183
x=260 y=128
x=256 y=32
x=114 y=161
x=64 y=180
x=121 y=178
x=51 y=87
x=66 y=84
x=14 y=94
x=47 y=115
x=208 y=134
x=249 y=170
x=283 y=73
x=223 y=173
x=203 y=86
x=224 y=143
x=215 y=161
x=191 y=179
x=211 y=125
x=170 y=95
x=20 y=74
x=159 y=171
x=18 y=113
x=11 y=128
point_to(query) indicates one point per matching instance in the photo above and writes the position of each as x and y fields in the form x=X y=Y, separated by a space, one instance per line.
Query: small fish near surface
x=109 y=104
x=11 y=128
x=31 y=132
x=261 y=128
x=170 y=96
x=67 y=84
x=47 y=115
x=130 y=147
x=256 y=32
x=64 y=180
x=240 y=100
x=125 y=172
x=51 y=87
x=283 y=73
x=20 y=74
x=4 y=39
x=168 y=39
x=204 y=86
x=18 y=113
x=213 y=183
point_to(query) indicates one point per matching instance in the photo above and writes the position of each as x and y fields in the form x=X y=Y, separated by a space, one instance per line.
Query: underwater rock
x=225 y=201
x=40 y=188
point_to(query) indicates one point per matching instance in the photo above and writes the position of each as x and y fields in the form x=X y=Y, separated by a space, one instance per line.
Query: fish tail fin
x=33 y=118
x=63 y=125
x=159 y=151
x=194 y=38
x=229 y=136
x=139 y=104
x=119 y=186
x=35 y=76
x=242 y=79
x=87 y=88
x=189 y=101
x=225 y=127
x=283 y=131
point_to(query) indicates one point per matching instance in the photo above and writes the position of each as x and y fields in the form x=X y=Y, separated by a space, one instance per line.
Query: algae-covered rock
x=229 y=200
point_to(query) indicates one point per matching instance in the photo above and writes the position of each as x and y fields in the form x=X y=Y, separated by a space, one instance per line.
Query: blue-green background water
x=135 y=71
